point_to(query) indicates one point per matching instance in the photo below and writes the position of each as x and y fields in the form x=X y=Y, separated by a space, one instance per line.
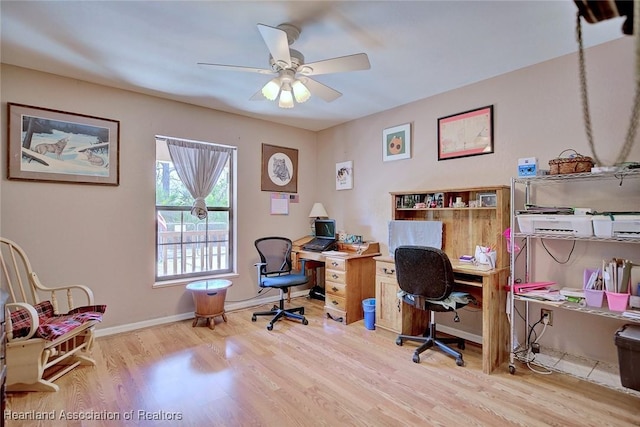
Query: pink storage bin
x=617 y=301
x=592 y=297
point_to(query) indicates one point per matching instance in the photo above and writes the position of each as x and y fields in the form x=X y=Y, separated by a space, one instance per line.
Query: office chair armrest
x=259 y=266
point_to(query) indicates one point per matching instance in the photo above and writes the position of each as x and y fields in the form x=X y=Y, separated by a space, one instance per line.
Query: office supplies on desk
x=335 y=253
x=485 y=255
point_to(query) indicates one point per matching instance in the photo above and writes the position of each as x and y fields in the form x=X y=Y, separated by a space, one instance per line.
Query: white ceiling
x=416 y=48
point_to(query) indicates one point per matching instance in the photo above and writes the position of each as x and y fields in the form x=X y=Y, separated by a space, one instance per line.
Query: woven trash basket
x=574 y=163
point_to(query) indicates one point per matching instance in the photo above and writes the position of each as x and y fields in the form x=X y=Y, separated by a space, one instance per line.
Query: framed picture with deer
x=58 y=146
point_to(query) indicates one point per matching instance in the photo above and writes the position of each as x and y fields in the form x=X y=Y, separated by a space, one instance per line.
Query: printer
x=617 y=225
x=561 y=225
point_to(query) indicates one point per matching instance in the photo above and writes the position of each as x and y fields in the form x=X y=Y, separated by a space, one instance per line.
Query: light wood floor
x=321 y=374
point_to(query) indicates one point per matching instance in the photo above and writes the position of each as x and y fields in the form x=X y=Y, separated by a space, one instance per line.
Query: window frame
x=231 y=254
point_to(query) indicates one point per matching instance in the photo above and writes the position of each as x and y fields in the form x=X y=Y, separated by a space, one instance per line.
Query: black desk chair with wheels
x=426 y=277
x=274 y=271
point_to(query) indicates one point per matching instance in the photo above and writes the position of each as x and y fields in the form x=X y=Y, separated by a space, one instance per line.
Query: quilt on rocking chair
x=53 y=325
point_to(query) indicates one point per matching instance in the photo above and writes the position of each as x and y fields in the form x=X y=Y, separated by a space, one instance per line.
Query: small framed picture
x=396 y=143
x=487 y=200
x=344 y=175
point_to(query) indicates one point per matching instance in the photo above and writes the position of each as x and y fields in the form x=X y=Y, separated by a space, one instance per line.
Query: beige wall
x=104 y=236
x=537 y=113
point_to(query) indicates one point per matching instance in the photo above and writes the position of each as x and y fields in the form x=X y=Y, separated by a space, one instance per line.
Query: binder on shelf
x=523 y=287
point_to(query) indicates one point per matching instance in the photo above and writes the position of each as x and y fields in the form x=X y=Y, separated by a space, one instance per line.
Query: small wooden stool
x=209 y=296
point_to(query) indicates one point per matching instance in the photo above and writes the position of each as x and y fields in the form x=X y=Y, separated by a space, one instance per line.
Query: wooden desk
x=349 y=279
x=485 y=286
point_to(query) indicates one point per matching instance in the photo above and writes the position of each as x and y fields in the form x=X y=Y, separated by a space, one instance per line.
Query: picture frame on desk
x=487 y=200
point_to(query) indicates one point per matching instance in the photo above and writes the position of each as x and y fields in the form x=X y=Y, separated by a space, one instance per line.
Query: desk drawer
x=336 y=276
x=335 y=302
x=386 y=269
x=336 y=264
x=333 y=289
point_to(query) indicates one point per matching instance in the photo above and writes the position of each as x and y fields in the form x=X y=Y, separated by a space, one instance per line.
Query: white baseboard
x=184 y=316
x=460 y=334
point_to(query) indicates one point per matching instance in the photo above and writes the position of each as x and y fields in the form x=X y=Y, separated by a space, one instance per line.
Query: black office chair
x=274 y=271
x=426 y=277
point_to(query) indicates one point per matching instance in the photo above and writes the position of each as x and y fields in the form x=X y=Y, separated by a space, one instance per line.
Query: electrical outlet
x=549 y=313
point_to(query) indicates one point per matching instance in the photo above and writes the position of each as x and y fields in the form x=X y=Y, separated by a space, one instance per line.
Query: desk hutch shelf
x=463 y=228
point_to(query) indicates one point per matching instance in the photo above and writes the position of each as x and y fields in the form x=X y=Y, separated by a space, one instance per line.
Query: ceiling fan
x=292 y=76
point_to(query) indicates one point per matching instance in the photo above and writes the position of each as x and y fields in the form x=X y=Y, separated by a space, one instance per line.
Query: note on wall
x=279 y=204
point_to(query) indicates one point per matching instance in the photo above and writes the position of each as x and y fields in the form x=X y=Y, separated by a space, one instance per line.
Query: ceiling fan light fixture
x=300 y=91
x=271 y=89
x=286 y=97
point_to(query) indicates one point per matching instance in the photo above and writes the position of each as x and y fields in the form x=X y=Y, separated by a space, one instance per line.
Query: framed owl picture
x=279 y=169
x=396 y=143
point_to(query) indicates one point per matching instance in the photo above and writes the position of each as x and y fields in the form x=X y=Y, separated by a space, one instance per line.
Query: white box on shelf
x=561 y=225
x=527 y=166
x=617 y=225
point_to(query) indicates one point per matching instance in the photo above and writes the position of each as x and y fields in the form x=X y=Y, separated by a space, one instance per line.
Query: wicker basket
x=576 y=163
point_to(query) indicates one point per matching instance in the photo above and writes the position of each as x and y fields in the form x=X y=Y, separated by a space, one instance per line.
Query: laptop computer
x=325 y=236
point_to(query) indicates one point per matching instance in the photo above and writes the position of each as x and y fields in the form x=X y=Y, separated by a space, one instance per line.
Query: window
x=187 y=246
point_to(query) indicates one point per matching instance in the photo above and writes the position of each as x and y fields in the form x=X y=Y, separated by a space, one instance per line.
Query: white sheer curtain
x=199 y=166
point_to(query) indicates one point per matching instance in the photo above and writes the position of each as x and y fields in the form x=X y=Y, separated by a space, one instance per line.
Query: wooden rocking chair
x=42 y=344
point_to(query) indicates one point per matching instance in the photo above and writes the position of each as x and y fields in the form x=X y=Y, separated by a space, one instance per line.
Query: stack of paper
x=632 y=314
x=543 y=294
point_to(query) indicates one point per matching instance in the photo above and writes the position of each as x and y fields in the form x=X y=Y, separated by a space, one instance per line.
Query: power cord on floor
x=528 y=354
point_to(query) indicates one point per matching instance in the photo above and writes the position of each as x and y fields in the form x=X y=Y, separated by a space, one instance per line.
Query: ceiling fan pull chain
x=635 y=113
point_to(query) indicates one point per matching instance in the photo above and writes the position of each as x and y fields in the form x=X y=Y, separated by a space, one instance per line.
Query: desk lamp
x=317 y=211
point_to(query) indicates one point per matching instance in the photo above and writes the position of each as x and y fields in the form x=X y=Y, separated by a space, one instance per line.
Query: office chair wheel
x=459 y=362
x=254 y=318
x=461 y=345
x=398 y=341
x=269 y=327
x=416 y=358
x=302 y=311
x=305 y=322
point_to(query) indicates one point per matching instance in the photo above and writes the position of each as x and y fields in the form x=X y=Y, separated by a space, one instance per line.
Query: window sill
x=185 y=281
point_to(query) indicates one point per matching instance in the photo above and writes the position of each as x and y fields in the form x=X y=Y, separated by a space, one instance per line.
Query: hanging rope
x=635 y=113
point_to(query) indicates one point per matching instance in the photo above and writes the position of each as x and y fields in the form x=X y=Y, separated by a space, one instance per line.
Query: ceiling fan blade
x=278 y=44
x=359 y=61
x=318 y=89
x=237 y=68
